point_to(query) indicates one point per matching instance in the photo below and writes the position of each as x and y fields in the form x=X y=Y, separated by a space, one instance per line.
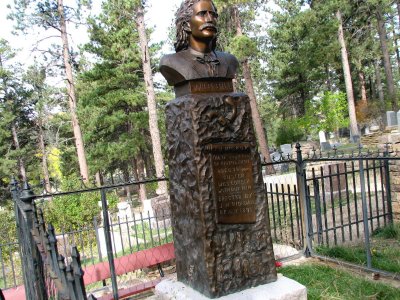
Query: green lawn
x=324 y=282
x=385 y=250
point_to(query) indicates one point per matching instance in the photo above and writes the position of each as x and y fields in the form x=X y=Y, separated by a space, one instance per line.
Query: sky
x=160 y=16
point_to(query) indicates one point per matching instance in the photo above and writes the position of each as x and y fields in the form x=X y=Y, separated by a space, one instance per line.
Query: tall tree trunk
x=396 y=45
x=260 y=132
x=363 y=88
x=125 y=173
x=386 y=59
x=148 y=163
x=80 y=149
x=151 y=100
x=99 y=179
x=140 y=172
x=347 y=78
x=21 y=164
x=398 y=11
x=42 y=147
x=379 y=86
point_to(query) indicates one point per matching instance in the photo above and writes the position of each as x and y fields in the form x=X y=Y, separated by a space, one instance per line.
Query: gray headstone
x=286 y=149
x=322 y=137
x=391 y=119
x=325 y=146
x=398 y=118
x=276 y=156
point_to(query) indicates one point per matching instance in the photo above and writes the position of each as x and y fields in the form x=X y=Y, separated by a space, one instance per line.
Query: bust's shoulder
x=174 y=67
x=173 y=58
x=229 y=60
x=227 y=56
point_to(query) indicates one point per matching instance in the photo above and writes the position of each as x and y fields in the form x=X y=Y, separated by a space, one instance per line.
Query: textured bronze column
x=219 y=212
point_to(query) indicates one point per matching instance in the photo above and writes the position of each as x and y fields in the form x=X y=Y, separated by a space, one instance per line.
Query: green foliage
x=289 y=132
x=326 y=113
x=112 y=103
x=16 y=121
x=324 y=282
x=243 y=47
x=7 y=225
x=75 y=210
x=391 y=231
x=385 y=250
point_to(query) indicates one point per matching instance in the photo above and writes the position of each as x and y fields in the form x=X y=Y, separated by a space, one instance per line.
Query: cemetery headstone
x=398 y=119
x=334 y=180
x=322 y=136
x=391 y=119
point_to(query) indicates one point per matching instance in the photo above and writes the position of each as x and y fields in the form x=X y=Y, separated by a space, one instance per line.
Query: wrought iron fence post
x=107 y=235
x=32 y=266
x=305 y=212
x=387 y=185
x=365 y=214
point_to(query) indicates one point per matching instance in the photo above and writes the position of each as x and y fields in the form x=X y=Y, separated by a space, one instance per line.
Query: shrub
x=288 y=132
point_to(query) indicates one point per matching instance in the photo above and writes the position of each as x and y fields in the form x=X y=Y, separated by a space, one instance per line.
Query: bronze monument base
x=219 y=211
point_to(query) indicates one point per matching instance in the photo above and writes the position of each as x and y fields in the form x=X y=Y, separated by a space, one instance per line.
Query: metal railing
x=332 y=199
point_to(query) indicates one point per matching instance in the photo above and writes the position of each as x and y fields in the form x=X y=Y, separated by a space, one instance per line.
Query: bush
x=75 y=210
x=288 y=132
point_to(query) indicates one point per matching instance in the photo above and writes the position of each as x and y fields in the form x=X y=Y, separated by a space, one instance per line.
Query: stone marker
x=335 y=180
x=398 y=119
x=391 y=119
x=286 y=150
x=219 y=215
x=325 y=146
x=322 y=137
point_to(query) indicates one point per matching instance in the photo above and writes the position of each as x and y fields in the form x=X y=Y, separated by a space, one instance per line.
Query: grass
x=385 y=250
x=324 y=282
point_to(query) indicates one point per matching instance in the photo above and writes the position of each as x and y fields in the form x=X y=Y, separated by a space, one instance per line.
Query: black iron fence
x=106 y=255
x=326 y=204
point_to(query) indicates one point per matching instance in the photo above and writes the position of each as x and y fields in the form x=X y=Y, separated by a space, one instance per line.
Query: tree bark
x=140 y=171
x=80 y=149
x=379 y=86
x=21 y=164
x=398 y=11
x=151 y=99
x=45 y=167
x=259 y=128
x=386 y=59
x=363 y=88
x=347 y=78
x=396 y=45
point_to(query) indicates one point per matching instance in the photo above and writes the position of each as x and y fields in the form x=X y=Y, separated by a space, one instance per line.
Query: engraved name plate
x=211 y=86
x=232 y=168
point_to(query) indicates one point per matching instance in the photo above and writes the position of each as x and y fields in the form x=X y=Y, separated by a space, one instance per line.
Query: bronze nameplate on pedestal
x=232 y=167
x=204 y=86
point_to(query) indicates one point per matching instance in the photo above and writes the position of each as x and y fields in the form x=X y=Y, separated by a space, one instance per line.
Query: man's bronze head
x=183 y=20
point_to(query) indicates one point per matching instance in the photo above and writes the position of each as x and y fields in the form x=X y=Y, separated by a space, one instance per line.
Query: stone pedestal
x=282 y=289
x=219 y=213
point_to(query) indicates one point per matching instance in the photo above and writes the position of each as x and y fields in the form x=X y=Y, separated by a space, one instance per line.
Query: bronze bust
x=196 y=57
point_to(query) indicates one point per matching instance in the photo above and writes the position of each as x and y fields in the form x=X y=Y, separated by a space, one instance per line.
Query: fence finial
x=27 y=195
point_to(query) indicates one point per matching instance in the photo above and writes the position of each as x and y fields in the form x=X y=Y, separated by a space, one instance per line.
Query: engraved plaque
x=204 y=87
x=217 y=86
x=232 y=168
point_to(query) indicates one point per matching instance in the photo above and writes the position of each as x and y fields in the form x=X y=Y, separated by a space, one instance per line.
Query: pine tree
x=52 y=15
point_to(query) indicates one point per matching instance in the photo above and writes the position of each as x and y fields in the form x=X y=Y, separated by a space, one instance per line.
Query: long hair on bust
x=182 y=20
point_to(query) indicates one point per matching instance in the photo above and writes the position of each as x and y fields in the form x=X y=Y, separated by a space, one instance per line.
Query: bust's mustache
x=208 y=25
